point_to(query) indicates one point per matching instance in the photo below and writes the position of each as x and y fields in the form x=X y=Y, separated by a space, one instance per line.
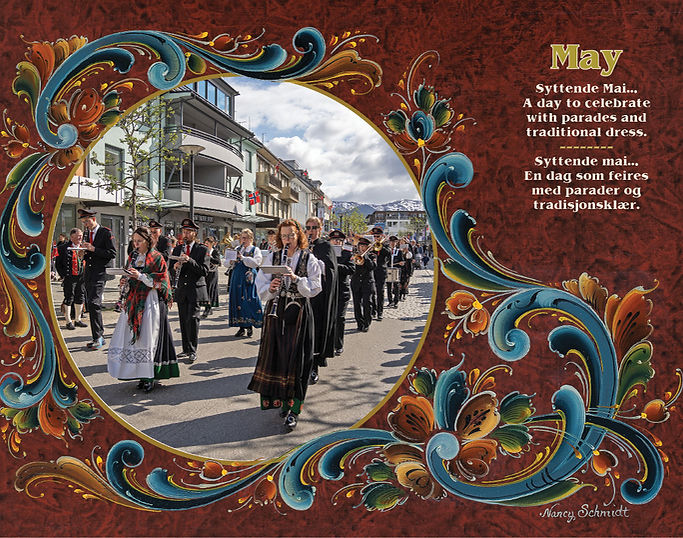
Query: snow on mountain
x=342 y=207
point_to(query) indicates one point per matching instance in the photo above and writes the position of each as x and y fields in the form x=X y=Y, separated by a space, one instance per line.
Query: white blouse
x=254 y=261
x=139 y=264
x=308 y=286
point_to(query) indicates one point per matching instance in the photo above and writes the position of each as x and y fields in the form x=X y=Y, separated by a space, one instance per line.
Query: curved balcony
x=206 y=197
x=216 y=148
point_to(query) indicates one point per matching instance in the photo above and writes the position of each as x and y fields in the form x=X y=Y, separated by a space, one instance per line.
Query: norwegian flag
x=254 y=198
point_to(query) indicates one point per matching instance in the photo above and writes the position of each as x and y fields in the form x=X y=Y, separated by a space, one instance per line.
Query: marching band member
x=100 y=251
x=346 y=268
x=161 y=242
x=325 y=303
x=363 y=283
x=69 y=266
x=212 y=275
x=406 y=270
x=285 y=358
x=380 y=271
x=189 y=273
x=396 y=260
x=244 y=305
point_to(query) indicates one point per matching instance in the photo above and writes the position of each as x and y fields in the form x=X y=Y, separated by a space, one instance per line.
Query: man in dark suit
x=190 y=269
x=396 y=261
x=363 y=284
x=380 y=271
x=346 y=268
x=100 y=251
x=160 y=241
x=324 y=304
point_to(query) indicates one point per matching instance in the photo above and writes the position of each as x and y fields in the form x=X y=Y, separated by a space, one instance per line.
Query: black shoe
x=192 y=357
x=339 y=351
x=290 y=421
x=240 y=332
x=148 y=385
x=70 y=326
x=250 y=332
x=141 y=383
x=79 y=323
x=365 y=329
x=182 y=354
x=314 y=378
x=379 y=318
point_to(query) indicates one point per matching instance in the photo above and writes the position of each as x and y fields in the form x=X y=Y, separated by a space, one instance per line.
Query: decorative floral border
x=444 y=436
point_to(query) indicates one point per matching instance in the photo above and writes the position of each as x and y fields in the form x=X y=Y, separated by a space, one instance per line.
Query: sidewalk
x=208 y=410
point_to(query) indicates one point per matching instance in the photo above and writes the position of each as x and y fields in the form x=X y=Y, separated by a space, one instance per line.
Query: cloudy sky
x=334 y=144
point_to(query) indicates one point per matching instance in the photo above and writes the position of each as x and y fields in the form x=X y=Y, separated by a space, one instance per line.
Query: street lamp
x=191 y=150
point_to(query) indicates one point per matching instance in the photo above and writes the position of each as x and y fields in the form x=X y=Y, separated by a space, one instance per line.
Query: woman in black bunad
x=285 y=357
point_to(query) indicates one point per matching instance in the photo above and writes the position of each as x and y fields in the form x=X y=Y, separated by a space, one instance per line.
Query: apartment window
x=113 y=159
x=201 y=88
x=247 y=160
x=211 y=93
x=220 y=99
x=145 y=177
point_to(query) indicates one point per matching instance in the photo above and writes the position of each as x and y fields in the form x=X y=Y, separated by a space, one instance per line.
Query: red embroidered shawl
x=155 y=267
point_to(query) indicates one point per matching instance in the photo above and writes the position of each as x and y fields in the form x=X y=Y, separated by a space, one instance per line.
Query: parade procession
x=293 y=300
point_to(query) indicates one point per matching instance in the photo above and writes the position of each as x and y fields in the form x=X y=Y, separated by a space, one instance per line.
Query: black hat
x=337 y=234
x=376 y=230
x=85 y=213
x=154 y=224
x=188 y=223
x=271 y=232
x=393 y=238
x=363 y=241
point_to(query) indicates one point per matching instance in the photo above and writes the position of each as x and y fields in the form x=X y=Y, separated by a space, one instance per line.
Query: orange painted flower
x=463 y=305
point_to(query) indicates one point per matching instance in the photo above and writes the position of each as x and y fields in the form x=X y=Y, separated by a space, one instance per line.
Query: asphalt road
x=208 y=410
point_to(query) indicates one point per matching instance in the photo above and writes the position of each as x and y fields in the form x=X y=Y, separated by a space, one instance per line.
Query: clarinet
x=273 y=304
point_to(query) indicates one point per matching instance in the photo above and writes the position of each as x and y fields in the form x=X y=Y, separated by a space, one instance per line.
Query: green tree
x=353 y=222
x=147 y=146
x=418 y=224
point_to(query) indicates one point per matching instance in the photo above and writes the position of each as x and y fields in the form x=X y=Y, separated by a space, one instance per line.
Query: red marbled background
x=491 y=58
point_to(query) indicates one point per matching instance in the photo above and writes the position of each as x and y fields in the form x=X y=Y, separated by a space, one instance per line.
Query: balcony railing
x=208 y=189
x=289 y=195
x=268 y=182
x=211 y=138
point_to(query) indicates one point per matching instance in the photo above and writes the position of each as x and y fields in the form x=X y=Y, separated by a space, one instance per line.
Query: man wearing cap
x=98 y=242
x=346 y=268
x=160 y=242
x=396 y=260
x=190 y=272
x=325 y=303
x=380 y=271
x=363 y=284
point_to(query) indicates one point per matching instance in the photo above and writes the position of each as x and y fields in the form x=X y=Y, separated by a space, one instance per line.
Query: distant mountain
x=342 y=208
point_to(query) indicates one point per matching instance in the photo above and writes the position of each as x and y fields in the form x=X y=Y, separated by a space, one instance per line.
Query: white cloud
x=334 y=144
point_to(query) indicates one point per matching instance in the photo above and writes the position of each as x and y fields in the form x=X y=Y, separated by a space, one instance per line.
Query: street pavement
x=208 y=411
